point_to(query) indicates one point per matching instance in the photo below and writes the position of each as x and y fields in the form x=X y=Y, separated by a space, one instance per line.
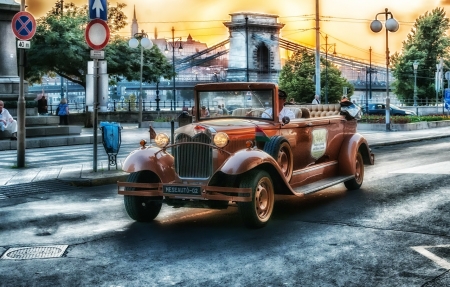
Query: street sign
x=23 y=25
x=23 y=44
x=97 y=34
x=98 y=9
x=96 y=54
x=447 y=99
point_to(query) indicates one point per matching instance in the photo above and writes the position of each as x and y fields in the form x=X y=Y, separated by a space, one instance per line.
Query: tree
x=297 y=78
x=426 y=43
x=59 y=47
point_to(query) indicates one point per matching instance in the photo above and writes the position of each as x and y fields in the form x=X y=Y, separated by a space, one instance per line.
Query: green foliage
x=379 y=119
x=426 y=42
x=59 y=47
x=297 y=79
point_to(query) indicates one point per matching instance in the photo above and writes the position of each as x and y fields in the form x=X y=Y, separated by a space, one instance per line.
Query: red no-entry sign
x=97 y=34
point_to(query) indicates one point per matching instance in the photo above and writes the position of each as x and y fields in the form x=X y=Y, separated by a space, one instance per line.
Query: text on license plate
x=178 y=189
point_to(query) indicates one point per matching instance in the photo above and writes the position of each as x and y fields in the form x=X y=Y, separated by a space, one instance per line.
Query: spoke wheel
x=356 y=182
x=142 y=208
x=257 y=213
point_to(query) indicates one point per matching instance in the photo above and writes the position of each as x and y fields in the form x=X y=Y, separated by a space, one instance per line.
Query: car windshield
x=394 y=107
x=238 y=103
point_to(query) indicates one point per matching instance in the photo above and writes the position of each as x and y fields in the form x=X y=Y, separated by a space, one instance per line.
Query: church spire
x=134 y=23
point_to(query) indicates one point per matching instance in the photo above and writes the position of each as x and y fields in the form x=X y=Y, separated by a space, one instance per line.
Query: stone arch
x=263 y=58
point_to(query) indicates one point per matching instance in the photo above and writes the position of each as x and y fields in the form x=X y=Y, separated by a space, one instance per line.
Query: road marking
x=434 y=168
x=433 y=257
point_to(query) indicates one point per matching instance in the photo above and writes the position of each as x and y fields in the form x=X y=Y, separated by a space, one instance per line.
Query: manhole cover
x=35 y=252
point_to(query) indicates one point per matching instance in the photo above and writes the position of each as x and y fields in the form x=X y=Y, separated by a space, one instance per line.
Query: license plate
x=180 y=189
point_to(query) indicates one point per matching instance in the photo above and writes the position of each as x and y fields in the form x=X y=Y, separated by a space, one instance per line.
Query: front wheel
x=279 y=148
x=257 y=213
x=356 y=182
x=142 y=208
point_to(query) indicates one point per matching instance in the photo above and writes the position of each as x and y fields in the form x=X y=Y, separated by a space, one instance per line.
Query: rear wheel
x=279 y=148
x=142 y=208
x=356 y=182
x=257 y=213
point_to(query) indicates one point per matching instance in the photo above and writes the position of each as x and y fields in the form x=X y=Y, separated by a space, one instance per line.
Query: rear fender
x=153 y=159
x=350 y=147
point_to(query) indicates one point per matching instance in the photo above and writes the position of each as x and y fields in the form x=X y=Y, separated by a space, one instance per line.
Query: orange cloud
x=346 y=22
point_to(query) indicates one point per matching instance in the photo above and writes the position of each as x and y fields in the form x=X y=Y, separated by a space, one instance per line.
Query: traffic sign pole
x=23 y=26
x=95 y=111
x=97 y=37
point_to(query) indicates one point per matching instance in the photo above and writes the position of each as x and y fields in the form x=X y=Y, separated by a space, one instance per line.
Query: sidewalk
x=75 y=163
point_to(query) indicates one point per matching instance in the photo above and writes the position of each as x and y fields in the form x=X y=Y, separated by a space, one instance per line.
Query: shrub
x=378 y=119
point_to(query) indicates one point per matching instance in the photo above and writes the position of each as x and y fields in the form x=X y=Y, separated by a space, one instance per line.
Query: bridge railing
x=130 y=106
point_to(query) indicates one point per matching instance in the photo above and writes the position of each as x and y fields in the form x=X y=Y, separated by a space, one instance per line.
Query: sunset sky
x=345 y=21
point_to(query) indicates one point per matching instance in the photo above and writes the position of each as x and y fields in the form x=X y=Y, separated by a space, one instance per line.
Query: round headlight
x=221 y=139
x=162 y=140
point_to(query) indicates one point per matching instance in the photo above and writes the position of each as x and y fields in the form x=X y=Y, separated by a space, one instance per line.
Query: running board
x=321 y=184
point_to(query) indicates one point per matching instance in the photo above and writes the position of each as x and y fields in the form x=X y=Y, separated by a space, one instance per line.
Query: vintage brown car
x=246 y=156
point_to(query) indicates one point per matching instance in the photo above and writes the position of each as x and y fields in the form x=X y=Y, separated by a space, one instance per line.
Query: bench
x=242 y=112
x=315 y=111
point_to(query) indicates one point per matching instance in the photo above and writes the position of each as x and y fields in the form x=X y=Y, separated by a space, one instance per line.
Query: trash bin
x=111 y=138
x=184 y=119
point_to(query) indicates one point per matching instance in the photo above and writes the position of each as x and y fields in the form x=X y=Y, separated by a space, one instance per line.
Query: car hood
x=240 y=127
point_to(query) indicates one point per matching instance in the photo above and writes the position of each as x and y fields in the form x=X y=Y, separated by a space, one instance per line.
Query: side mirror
x=285 y=120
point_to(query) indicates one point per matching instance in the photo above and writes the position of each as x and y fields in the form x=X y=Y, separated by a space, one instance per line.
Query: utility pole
x=317 y=50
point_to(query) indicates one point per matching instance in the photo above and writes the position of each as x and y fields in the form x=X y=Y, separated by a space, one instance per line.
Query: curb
x=407 y=140
x=88 y=182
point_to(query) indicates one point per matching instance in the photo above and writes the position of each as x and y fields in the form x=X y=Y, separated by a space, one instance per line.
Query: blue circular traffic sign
x=23 y=25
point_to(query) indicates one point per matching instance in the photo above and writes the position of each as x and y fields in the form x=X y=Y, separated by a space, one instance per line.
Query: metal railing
x=128 y=106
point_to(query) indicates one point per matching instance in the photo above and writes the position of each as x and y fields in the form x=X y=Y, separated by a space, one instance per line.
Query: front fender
x=350 y=147
x=153 y=159
x=245 y=160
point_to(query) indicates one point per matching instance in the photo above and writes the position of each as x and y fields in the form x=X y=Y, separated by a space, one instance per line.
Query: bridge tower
x=253 y=55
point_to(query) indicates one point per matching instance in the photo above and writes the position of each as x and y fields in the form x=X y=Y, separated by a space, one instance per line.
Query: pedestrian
x=204 y=113
x=63 y=112
x=42 y=106
x=225 y=111
x=316 y=100
x=7 y=122
x=284 y=112
x=219 y=111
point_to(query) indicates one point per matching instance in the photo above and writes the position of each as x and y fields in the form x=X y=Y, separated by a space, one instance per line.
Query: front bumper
x=219 y=193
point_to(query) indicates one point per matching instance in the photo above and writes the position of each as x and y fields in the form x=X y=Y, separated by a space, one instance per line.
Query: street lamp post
x=439 y=72
x=391 y=26
x=415 y=66
x=145 y=42
x=326 y=65
x=173 y=62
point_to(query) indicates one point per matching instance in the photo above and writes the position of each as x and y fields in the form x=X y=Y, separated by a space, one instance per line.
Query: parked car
x=380 y=109
x=245 y=158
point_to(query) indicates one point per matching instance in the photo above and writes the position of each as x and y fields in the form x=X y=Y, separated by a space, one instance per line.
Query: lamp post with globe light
x=140 y=38
x=391 y=26
x=180 y=48
x=415 y=66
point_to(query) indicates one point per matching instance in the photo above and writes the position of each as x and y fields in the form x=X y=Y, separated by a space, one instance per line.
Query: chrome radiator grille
x=193 y=160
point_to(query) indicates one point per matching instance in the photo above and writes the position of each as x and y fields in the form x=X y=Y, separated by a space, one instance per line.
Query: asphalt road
x=392 y=232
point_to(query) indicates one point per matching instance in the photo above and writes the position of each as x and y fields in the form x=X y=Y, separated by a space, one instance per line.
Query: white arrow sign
x=97 y=7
